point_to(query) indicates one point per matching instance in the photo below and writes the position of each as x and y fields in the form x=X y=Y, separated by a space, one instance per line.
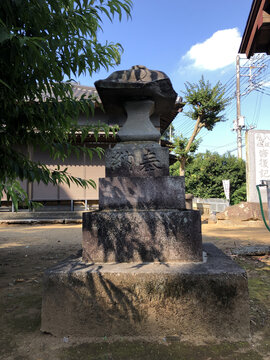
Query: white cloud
x=217 y=52
x=266 y=83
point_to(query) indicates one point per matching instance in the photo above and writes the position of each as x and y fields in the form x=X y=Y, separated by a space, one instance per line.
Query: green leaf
x=42 y=43
x=5 y=35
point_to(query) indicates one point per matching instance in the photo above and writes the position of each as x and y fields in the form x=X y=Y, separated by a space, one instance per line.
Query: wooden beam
x=254 y=26
x=266 y=17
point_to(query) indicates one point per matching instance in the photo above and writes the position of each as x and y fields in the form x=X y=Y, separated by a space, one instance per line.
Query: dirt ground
x=27 y=250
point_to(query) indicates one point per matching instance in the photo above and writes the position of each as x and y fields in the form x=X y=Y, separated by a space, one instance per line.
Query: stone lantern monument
x=144 y=270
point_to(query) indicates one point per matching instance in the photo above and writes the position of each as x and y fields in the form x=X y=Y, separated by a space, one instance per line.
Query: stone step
x=38 y=215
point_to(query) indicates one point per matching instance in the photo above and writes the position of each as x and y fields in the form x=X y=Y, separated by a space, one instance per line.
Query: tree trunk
x=182 y=166
x=196 y=130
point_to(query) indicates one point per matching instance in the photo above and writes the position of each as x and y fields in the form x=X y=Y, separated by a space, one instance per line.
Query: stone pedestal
x=128 y=236
x=141 y=193
x=202 y=301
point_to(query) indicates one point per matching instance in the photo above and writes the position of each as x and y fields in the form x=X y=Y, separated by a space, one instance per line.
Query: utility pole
x=170 y=136
x=239 y=123
x=239 y=118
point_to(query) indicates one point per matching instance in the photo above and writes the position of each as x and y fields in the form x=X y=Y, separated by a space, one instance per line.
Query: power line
x=221 y=146
x=263 y=92
x=254 y=75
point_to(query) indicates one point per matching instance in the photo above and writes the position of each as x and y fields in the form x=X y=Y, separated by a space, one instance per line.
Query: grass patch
x=25 y=323
x=29 y=301
x=22 y=313
x=24 y=302
x=259 y=290
x=150 y=351
x=7 y=344
x=258 y=279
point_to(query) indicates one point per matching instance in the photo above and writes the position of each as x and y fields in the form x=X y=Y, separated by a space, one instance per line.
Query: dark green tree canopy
x=42 y=42
x=204 y=175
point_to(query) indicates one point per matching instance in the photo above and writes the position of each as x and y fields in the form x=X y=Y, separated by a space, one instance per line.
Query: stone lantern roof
x=138 y=83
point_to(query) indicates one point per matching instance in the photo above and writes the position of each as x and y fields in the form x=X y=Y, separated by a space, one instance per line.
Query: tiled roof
x=80 y=90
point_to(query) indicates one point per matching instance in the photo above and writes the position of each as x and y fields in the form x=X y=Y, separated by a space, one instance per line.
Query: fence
x=208 y=206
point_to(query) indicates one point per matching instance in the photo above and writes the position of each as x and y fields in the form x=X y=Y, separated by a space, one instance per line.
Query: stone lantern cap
x=137 y=83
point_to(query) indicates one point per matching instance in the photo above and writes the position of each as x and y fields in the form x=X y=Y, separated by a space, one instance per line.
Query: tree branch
x=196 y=130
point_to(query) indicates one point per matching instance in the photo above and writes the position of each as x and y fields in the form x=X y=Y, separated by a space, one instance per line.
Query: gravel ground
x=27 y=250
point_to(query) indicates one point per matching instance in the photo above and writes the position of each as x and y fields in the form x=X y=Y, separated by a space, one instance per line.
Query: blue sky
x=188 y=39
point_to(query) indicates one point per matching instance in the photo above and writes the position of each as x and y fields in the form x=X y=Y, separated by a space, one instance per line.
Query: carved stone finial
x=137 y=73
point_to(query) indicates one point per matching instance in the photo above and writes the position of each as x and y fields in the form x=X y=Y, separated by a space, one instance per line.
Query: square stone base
x=142 y=236
x=142 y=193
x=207 y=300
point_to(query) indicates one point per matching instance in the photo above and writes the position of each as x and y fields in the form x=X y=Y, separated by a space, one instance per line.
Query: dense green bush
x=239 y=195
x=204 y=175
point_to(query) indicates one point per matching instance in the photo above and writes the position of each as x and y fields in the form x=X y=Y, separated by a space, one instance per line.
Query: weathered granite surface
x=251 y=250
x=166 y=192
x=137 y=83
x=243 y=211
x=126 y=236
x=138 y=126
x=202 y=301
x=139 y=159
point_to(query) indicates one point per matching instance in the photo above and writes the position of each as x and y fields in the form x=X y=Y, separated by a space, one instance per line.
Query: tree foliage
x=206 y=103
x=43 y=42
x=178 y=148
x=204 y=175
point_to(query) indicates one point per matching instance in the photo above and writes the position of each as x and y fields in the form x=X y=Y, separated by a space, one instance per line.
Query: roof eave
x=253 y=24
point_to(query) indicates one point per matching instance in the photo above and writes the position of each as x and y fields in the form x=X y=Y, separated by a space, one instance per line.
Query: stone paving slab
x=251 y=250
x=41 y=221
x=41 y=217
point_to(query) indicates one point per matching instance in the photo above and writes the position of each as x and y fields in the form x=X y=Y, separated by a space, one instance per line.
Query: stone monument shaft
x=142 y=214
